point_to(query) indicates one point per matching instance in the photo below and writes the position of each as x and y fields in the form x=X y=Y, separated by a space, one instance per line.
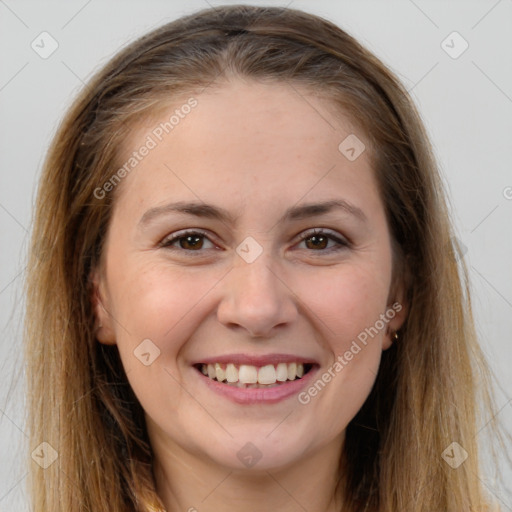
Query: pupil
x=318 y=241
x=193 y=241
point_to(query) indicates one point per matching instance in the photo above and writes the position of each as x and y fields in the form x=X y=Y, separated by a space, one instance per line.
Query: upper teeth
x=248 y=374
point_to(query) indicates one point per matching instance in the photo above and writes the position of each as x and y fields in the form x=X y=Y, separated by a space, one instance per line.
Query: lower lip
x=249 y=396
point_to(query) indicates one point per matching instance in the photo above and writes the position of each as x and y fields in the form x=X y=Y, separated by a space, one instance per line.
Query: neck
x=192 y=483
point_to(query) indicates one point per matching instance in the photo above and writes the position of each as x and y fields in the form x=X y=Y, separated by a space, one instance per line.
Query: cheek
x=347 y=313
x=346 y=300
x=157 y=302
x=160 y=304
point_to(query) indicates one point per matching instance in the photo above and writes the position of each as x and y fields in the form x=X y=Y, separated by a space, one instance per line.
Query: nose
x=256 y=298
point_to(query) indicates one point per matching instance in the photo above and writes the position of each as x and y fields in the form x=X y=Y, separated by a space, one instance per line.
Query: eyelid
x=183 y=233
x=341 y=241
x=323 y=231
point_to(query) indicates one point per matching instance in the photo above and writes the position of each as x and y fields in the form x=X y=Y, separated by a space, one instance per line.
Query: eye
x=192 y=241
x=318 y=240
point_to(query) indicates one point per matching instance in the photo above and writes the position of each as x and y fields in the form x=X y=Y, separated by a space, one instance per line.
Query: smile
x=250 y=379
x=250 y=376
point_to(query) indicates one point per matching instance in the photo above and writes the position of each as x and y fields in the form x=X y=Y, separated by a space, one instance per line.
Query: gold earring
x=395 y=336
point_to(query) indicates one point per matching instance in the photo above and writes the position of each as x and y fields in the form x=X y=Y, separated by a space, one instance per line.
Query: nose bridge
x=255 y=298
x=256 y=280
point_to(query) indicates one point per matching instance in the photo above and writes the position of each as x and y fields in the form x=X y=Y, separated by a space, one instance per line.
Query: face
x=216 y=254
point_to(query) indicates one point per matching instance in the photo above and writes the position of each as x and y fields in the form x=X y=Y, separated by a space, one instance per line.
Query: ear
x=104 y=324
x=396 y=313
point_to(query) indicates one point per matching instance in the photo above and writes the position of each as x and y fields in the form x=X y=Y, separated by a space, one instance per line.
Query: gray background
x=466 y=104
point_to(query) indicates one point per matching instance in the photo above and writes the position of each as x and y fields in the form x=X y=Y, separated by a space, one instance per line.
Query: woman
x=246 y=283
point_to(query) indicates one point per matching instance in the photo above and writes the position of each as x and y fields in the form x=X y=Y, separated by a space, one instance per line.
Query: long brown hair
x=80 y=401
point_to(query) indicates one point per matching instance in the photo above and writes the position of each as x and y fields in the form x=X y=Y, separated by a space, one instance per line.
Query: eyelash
x=341 y=243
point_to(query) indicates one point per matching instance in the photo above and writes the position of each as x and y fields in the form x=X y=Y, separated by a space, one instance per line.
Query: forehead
x=245 y=141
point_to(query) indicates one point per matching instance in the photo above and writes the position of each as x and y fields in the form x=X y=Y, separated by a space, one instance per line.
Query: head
x=258 y=112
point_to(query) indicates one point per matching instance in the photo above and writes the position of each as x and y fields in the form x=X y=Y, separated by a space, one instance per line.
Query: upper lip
x=256 y=360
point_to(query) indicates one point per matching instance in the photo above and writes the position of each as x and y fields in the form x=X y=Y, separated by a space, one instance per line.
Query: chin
x=255 y=450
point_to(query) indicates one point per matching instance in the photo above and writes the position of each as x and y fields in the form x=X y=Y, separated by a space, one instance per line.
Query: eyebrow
x=209 y=211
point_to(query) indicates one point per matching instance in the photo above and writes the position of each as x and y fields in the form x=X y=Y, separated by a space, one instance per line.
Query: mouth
x=247 y=376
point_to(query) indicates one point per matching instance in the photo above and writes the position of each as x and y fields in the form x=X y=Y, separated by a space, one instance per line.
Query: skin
x=254 y=149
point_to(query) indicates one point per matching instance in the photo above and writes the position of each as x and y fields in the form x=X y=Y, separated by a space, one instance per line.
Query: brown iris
x=191 y=242
x=318 y=241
